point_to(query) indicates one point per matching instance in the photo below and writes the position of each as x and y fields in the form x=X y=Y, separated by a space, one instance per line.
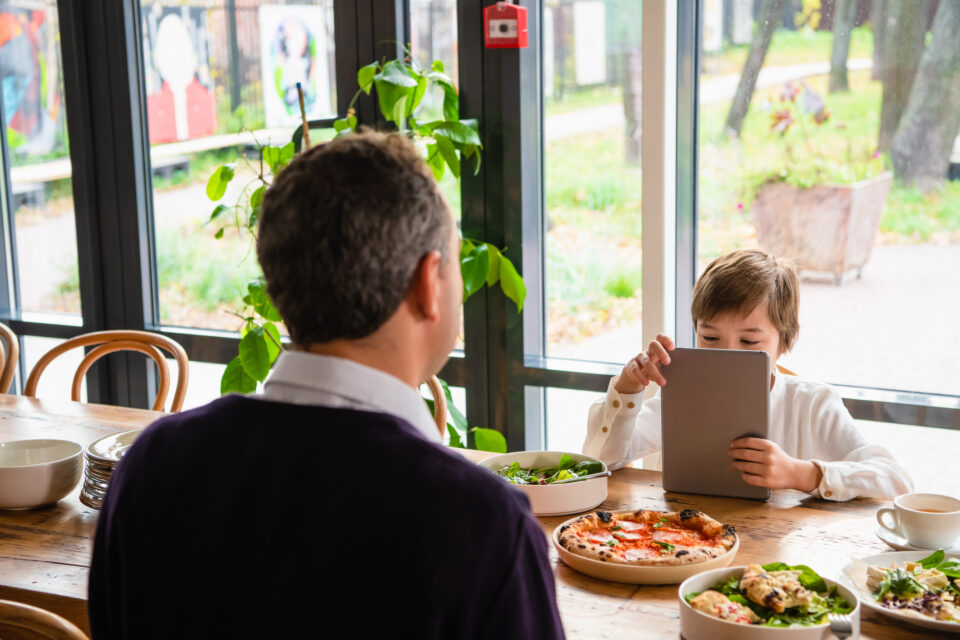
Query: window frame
x=504 y=366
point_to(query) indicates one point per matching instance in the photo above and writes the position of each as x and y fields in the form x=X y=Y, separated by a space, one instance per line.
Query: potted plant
x=820 y=204
x=446 y=141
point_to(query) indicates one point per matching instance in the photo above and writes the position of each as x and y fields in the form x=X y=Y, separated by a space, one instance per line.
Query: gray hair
x=342 y=230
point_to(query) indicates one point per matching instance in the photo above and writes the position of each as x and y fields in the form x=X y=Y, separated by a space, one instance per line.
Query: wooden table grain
x=45 y=552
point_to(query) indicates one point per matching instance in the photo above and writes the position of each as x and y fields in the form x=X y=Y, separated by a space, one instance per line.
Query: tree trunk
x=878 y=18
x=632 y=70
x=844 y=15
x=921 y=147
x=903 y=38
x=769 y=19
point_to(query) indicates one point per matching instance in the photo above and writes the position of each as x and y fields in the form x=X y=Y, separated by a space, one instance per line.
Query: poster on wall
x=30 y=82
x=294 y=47
x=181 y=102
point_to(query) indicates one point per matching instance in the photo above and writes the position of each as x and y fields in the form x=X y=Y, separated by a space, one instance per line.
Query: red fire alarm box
x=506 y=26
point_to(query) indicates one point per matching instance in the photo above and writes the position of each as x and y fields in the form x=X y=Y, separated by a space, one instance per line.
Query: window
x=221 y=79
x=801 y=166
x=37 y=154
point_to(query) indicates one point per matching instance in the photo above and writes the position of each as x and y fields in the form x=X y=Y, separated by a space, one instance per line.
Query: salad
x=927 y=588
x=566 y=469
x=772 y=595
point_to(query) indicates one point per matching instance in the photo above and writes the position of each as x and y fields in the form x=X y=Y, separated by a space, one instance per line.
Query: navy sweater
x=252 y=518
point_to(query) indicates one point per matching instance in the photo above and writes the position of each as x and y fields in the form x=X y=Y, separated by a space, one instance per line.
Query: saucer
x=900 y=543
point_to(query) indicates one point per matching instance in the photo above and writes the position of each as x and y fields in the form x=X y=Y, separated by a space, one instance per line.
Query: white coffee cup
x=926 y=520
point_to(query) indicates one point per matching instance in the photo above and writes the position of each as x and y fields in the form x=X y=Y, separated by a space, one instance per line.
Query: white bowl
x=37 y=472
x=553 y=500
x=696 y=625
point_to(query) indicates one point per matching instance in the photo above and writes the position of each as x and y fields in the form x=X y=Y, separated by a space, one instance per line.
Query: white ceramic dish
x=37 y=472
x=855 y=576
x=549 y=500
x=638 y=575
x=109 y=449
x=695 y=625
x=900 y=543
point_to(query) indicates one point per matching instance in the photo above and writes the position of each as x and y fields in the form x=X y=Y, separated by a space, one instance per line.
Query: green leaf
x=287 y=152
x=454 y=414
x=437 y=65
x=489 y=440
x=217 y=211
x=365 y=77
x=219 y=233
x=511 y=283
x=565 y=462
x=459 y=131
x=393 y=102
x=493 y=273
x=258 y=298
x=451 y=101
x=217 y=184
x=933 y=559
x=254 y=354
x=435 y=160
x=396 y=73
x=236 y=380
x=256 y=198
x=271 y=155
x=341 y=124
x=417 y=96
x=474 y=268
x=455 y=440
x=449 y=154
x=274 y=341
x=664 y=546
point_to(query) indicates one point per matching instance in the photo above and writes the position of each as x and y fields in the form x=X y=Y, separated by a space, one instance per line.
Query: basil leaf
x=662 y=522
x=665 y=546
x=610 y=543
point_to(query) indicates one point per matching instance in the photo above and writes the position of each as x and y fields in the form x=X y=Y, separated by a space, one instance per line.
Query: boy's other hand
x=645 y=367
x=764 y=464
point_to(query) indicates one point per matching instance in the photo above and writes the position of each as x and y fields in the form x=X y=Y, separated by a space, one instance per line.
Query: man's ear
x=425 y=288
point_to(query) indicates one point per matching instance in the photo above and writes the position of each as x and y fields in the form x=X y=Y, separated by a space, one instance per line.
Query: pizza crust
x=572 y=537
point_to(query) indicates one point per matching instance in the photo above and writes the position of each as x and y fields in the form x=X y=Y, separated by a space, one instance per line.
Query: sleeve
x=852 y=467
x=623 y=427
x=526 y=606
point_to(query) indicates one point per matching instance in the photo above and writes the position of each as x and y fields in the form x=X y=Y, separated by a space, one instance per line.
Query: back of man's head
x=342 y=231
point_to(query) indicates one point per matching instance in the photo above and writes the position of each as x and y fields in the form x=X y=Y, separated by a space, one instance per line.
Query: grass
x=788 y=48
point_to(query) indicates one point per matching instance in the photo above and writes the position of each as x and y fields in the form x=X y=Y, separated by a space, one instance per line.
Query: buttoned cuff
x=830 y=487
x=618 y=404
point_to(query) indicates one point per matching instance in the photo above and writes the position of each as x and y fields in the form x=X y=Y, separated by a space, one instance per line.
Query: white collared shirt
x=299 y=377
x=807 y=420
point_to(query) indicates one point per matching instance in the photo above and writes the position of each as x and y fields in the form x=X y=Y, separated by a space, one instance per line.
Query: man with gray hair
x=327 y=505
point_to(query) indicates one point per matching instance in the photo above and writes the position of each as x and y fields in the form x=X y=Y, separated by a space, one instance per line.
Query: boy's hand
x=645 y=367
x=764 y=464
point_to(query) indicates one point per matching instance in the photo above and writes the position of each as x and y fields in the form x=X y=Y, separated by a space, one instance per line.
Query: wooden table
x=45 y=553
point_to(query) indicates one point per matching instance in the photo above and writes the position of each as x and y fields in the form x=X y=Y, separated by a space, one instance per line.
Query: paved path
x=712 y=90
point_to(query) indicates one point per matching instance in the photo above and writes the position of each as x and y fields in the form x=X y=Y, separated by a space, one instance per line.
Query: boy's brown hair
x=741 y=280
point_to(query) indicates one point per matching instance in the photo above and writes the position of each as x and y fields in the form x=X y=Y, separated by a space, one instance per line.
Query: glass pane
x=57 y=378
x=808 y=177
x=204 y=384
x=433 y=36
x=567 y=418
x=39 y=157
x=591 y=92
x=220 y=79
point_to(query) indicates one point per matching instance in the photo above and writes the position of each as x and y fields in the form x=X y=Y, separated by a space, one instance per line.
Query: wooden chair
x=9 y=356
x=439 y=405
x=111 y=341
x=19 y=621
x=784 y=370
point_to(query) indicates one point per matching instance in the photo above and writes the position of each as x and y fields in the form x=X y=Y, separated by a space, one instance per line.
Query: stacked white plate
x=101 y=457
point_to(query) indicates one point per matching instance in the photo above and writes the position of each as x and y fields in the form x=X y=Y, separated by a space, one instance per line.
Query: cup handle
x=881 y=520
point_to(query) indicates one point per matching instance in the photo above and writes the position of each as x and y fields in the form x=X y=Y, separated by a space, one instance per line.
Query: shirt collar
x=315 y=377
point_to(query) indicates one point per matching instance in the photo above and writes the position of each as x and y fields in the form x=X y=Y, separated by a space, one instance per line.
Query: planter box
x=824 y=229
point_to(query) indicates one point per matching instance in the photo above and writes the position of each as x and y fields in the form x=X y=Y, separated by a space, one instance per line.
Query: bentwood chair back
x=9 y=356
x=111 y=341
x=439 y=405
x=784 y=370
x=20 y=621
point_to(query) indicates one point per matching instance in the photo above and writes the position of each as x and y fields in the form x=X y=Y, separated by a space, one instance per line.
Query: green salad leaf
x=566 y=469
x=900 y=583
x=826 y=600
x=936 y=560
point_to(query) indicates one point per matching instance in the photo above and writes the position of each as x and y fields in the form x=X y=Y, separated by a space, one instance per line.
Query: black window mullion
x=109 y=152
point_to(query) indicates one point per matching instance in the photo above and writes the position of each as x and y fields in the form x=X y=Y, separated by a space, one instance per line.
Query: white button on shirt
x=807 y=420
x=299 y=377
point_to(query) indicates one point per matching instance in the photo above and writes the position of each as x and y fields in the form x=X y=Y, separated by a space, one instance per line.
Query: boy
x=748 y=300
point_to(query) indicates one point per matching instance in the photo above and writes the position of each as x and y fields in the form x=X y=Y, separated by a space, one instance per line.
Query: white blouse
x=807 y=420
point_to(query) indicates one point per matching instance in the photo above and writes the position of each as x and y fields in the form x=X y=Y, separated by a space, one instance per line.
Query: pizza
x=647 y=538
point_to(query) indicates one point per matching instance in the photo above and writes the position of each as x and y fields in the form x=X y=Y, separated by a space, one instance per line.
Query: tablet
x=712 y=396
